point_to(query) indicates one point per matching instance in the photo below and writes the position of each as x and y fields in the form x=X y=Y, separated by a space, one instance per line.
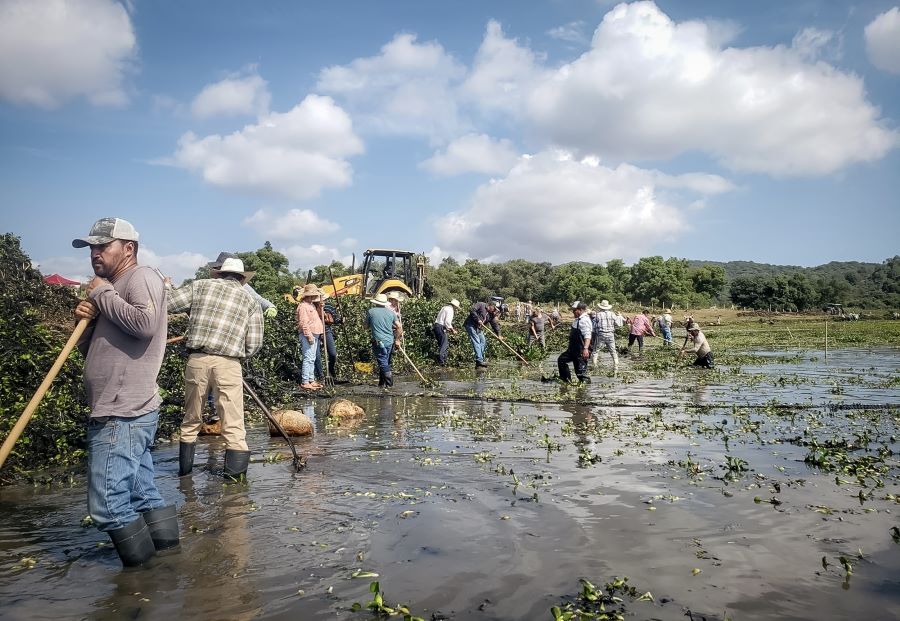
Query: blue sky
x=559 y=130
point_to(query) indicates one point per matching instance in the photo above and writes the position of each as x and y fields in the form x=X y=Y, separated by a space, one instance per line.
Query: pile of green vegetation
x=36 y=320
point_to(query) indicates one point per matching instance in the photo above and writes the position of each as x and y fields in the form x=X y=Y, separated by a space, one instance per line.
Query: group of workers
x=127 y=307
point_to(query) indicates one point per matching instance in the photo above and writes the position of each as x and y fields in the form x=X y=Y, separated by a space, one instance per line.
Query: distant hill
x=745 y=269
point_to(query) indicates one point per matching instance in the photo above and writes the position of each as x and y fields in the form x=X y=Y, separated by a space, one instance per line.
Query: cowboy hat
x=454 y=303
x=310 y=291
x=380 y=299
x=232 y=266
x=604 y=305
x=220 y=259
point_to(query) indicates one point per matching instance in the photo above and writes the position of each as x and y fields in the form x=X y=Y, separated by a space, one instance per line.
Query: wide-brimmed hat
x=604 y=305
x=692 y=325
x=454 y=303
x=380 y=299
x=105 y=230
x=310 y=291
x=232 y=266
x=667 y=310
x=213 y=265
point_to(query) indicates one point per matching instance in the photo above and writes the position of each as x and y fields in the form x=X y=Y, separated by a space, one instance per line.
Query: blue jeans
x=310 y=351
x=479 y=341
x=666 y=334
x=382 y=356
x=120 y=469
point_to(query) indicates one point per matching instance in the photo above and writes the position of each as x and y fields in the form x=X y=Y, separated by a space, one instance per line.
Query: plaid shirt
x=605 y=323
x=225 y=319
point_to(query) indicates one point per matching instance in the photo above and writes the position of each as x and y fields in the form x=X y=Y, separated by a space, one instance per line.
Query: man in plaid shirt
x=226 y=326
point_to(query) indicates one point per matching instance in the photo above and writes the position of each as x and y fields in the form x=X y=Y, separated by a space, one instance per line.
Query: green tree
x=709 y=280
x=667 y=281
x=580 y=281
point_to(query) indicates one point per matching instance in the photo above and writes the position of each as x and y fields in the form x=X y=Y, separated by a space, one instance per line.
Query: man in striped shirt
x=226 y=326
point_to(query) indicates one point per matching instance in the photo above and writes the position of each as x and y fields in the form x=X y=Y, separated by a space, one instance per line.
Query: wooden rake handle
x=20 y=425
x=508 y=346
x=411 y=363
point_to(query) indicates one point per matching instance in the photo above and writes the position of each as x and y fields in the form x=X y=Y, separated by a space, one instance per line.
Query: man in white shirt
x=443 y=325
x=664 y=322
x=701 y=347
x=579 y=349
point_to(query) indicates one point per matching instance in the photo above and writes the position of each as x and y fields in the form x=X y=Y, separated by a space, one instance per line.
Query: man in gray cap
x=123 y=348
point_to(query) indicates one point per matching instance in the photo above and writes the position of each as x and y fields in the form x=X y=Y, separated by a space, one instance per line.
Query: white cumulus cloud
x=883 y=41
x=814 y=44
x=573 y=32
x=290 y=225
x=555 y=207
x=407 y=89
x=57 y=50
x=651 y=88
x=293 y=154
x=472 y=153
x=234 y=96
x=503 y=74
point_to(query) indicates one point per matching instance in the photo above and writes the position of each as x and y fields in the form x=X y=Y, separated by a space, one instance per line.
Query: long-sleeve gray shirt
x=124 y=346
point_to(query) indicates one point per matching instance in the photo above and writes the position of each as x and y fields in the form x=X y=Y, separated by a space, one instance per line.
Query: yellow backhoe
x=383 y=271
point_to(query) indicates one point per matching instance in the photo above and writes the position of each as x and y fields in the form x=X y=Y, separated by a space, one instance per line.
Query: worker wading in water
x=579 y=350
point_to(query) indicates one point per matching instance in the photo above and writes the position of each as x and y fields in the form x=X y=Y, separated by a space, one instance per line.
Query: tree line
x=649 y=281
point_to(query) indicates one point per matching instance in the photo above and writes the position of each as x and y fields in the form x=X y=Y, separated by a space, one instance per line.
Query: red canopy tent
x=56 y=279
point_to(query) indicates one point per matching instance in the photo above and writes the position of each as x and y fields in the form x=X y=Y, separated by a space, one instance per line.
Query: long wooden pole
x=19 y=427
x=299 y=462
x=508 y=346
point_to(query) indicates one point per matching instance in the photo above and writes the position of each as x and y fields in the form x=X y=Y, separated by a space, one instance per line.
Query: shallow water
x=460 y=508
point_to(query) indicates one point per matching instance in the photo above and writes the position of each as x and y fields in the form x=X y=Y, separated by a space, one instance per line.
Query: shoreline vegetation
x=36 y=319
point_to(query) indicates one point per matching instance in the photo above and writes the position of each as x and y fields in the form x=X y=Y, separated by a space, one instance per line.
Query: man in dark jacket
x=579 y=349
x=479 y=315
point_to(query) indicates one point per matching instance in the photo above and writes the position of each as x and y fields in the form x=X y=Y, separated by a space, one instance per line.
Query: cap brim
x=91 y=240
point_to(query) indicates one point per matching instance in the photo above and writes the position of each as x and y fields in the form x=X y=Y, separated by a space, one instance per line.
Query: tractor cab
x=383 y=271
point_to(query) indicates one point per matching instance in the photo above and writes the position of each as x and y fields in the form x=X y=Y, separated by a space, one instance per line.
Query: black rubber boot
x=236 y=463
x=133 y=543
x=388 y=380
x=163 y=525
x=186 y=457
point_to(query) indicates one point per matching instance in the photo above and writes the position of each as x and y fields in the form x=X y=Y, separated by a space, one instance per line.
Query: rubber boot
x=163 y=525
x=186 y=457
x=133 y=543
x=388 y=380
x=236 y=463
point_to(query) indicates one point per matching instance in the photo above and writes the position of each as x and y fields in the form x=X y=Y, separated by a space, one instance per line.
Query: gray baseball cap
x=105 y=230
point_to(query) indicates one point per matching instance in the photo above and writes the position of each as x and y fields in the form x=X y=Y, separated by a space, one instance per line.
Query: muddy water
x=463 y=511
